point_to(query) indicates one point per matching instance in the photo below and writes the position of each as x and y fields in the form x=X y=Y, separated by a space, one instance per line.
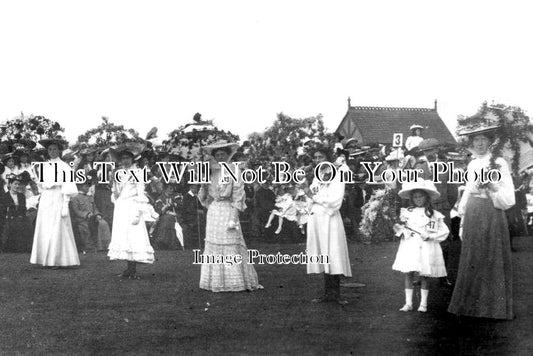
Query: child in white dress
x=422 y=229
x=293 y=206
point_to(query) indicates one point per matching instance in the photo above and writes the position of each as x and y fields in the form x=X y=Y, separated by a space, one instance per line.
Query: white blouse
x=503 y=198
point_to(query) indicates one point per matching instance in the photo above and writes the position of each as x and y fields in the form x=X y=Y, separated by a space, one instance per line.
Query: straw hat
x=8 y=156
x=351 y=143
x=477 y=129
x=420 y=184
x=222 y=144
x=416 y=126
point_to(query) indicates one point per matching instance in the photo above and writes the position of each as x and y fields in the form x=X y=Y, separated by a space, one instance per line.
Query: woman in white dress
x=325 y=230
x=129 y=239
x=53 y=240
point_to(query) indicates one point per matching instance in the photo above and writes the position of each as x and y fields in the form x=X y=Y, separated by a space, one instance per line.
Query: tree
x=284 y=139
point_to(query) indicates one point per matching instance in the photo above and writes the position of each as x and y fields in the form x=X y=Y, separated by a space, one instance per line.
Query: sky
x=157 y=63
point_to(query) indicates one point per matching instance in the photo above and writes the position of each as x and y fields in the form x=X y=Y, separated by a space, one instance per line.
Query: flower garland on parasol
x=105 y=135
x=29 y=128
x=187 y=141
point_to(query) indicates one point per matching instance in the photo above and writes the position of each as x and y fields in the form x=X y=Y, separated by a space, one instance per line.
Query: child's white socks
x=423 y=300
x=408 y=301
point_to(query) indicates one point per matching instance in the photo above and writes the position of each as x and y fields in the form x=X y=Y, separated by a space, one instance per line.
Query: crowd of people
x=57 y=220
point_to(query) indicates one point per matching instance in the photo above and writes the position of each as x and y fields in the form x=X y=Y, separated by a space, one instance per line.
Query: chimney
x=349 y=103
x=435 y=105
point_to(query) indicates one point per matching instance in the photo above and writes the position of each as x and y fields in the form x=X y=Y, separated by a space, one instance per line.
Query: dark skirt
x=17 y=234
x=484 y=280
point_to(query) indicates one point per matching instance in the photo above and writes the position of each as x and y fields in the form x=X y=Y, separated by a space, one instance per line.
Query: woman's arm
x=502 y=193
x=441 y=228
x=238 y=198
x=330 y=196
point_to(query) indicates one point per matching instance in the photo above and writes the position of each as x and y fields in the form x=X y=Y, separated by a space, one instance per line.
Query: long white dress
x=53 y=240
x=325 y=229
x=130 y=241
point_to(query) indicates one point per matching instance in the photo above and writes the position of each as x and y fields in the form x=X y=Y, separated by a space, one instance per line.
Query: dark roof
x=378 y=124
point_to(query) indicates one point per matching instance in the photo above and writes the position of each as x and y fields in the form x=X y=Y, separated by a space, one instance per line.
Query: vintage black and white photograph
x=266 y=177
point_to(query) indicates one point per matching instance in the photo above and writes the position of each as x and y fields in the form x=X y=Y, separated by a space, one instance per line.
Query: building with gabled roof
x=369 y=124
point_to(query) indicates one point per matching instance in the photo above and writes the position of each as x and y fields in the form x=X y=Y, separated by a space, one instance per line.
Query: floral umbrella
x=187 y=140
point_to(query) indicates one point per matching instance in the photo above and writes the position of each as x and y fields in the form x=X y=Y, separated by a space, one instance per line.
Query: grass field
x=89 y=310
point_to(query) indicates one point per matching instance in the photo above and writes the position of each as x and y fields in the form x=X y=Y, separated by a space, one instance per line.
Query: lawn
x=90 y=310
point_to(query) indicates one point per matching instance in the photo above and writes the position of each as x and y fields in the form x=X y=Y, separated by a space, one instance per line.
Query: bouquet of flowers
x=379 y=215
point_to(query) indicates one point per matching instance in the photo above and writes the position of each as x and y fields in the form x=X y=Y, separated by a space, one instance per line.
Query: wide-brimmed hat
x=58 y=140
x=351 y=143
x=477 y=129
x=22 y=144
x=68 y=155
x=428 y=144
x=222 y=144
x=134 y=148
x=421 y=184
x=8 y=156
x=19 y=152
x=416 y=126
x=88 y=150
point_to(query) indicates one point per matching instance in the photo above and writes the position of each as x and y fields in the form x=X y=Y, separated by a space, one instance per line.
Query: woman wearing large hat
x=129 y=239
x=223 y=235
x=484 y=281
x=53 y=240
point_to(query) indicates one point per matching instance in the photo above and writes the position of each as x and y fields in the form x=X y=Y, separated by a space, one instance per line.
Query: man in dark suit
x=191 y=217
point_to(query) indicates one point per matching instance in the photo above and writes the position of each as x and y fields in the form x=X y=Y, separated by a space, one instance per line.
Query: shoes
x=340 y=301
x=323 y=299
x=406 y=308
x=422 y=308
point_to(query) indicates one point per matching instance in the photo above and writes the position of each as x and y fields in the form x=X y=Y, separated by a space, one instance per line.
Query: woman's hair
x=224 y=149
x=59 y=147
x=13 y=178
x=427 y=205
x=490 y=135
x=325 y=151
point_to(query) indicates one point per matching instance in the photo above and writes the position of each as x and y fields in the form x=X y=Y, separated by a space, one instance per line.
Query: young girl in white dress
x=129 y=237
x=293 y=206
x=422 y=229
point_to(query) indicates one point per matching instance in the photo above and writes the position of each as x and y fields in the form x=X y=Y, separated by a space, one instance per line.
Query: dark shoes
x=131 y=271
x=333 y=290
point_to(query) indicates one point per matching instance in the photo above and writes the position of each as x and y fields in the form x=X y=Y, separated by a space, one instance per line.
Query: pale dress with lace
x=222 y=201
